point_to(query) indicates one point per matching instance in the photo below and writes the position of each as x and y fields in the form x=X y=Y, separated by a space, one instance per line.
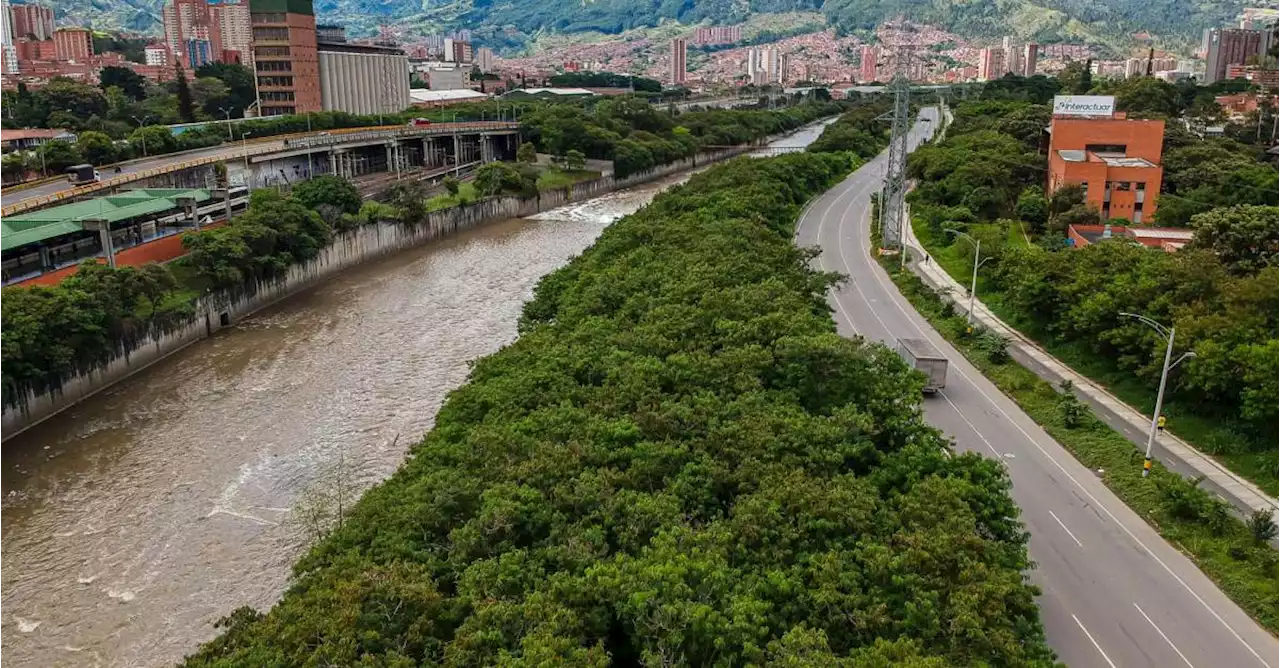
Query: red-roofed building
x=29 y=138
x=1167 y=239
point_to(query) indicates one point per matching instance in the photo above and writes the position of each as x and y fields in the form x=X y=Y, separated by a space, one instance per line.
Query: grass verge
x=466 y=195
x=558 y=178
x=1224 y=547
x=1214 y=437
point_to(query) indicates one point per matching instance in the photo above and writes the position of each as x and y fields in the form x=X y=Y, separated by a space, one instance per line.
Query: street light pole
x=227 y=112
x=1168 y=333
x=973 y=284
x=244 y=143
x=142 y=123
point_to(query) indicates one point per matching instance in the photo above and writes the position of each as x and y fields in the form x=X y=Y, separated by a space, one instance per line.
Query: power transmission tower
x=893 y=196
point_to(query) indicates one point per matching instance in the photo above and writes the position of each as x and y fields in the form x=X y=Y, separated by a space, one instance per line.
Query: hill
x=510 y=24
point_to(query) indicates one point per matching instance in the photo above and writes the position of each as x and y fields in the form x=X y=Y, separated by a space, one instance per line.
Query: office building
x=1029 y=54
x=868 y=64
x=1230 y=46
x=484 y=59
x=362 y=79
x=31 y=21
x=679 y=52
x=284 y=56
x=1116 y=160
x=990 y=64
x=73 y=44
x=234 y=30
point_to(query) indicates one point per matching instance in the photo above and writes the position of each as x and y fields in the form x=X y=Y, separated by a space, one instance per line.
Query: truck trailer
x=923 y=357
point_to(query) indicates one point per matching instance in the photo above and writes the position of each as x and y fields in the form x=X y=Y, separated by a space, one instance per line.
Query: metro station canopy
x=29 y=228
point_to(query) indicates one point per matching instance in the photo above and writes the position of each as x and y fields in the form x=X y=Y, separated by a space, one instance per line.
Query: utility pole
x=895 y=178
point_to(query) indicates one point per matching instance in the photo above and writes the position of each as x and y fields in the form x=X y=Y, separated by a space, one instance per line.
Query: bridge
x=283 y=159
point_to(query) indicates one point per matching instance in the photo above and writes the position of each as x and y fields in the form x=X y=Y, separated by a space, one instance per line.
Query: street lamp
x=227 y=112
x=973 y=285
x=142 y=123
x=244 y=143
x=1167 y=333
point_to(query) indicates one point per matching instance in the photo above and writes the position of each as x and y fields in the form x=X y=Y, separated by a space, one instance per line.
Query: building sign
x=1084 y=105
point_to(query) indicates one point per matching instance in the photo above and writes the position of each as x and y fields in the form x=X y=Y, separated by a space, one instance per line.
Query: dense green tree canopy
x=678 y=462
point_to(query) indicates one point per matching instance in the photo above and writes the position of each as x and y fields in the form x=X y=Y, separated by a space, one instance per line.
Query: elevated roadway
x=60 y=191
x=1115 y=594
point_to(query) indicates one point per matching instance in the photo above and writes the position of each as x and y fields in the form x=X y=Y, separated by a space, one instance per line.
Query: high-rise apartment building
x=8 y=52
x=717 y=35
x=1230 y=46
x=73 y=44
x=191 y=34
x=868 y=64
x=457 y=51
x=234 y=29
x=30 y=21
x=284 y=56
x=1012 y=57
x=156 y=55
x=484 y=59
x=679 y=52
x=990 y=64
x=1029 y=54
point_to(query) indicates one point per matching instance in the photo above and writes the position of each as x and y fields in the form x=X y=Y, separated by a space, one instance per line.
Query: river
x=135 y=520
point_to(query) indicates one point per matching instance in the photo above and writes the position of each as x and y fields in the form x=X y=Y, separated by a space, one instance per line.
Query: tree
x=240 y=87
x=331 y=190
x=451 y=184
x=1243 y=237
x=15 y=166
x=497 y=177
x=57 y=155
x=1033 y=208
x=1085 y=83
x=526 y=153
x=186 y=107
x=96 y=147
x=1262 y=526
x=210 y=95
x=152 y=140
x=574 y=160
x=77 y=99
x=128 y=81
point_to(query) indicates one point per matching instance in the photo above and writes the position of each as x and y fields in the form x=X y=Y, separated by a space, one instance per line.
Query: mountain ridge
x=509 y=23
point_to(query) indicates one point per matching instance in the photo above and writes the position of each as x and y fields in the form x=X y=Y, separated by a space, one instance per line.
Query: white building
x=484 y=58
x=450 y=79
x=156 y=55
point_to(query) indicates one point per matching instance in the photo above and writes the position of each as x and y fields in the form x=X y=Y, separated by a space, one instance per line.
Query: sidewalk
x=1174 y=453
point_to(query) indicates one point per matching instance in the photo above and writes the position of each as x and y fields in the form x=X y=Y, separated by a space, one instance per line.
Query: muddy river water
x=135 y=520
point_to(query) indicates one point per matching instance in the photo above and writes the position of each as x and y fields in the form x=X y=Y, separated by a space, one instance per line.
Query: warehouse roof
x=425 y=95
x=29 y=228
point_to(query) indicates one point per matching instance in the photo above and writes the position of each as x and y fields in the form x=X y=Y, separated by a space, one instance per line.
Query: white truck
x=923 y=357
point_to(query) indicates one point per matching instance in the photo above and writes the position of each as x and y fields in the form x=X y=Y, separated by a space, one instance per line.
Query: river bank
x=143 y=514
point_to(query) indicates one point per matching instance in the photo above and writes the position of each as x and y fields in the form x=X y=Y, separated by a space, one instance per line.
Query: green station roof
x=30 y=228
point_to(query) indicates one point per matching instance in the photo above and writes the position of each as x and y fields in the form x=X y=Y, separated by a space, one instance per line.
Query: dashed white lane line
x=1064 y=528
x=1162 y=635
x=1095 y=642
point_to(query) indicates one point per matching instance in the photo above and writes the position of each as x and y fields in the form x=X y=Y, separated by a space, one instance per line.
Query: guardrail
x=261 y=146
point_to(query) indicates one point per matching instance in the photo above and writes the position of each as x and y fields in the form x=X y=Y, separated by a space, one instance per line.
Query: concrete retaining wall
x=349 y=248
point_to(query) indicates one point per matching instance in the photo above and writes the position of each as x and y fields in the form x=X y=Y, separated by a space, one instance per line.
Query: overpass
x=283 y=159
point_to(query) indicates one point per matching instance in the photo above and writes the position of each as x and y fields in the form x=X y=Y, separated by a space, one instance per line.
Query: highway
x=1114 y=593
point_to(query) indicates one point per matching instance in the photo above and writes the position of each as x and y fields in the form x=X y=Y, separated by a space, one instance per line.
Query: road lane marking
x=971 y=426
x=1064 y=528
x=1162 y=635
x=1095 y=642
x=895 y=295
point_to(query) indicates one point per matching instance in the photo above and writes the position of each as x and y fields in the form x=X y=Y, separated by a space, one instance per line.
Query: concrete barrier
x=349 y=248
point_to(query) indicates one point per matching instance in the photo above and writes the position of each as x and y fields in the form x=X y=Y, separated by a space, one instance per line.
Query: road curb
x=1241 y=493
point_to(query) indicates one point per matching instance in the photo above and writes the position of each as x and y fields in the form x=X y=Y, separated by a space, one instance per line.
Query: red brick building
x=1116 y=160
x=73 y=44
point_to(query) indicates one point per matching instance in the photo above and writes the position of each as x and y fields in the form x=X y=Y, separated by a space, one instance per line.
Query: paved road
x=1115 y=594
x=133 y=167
